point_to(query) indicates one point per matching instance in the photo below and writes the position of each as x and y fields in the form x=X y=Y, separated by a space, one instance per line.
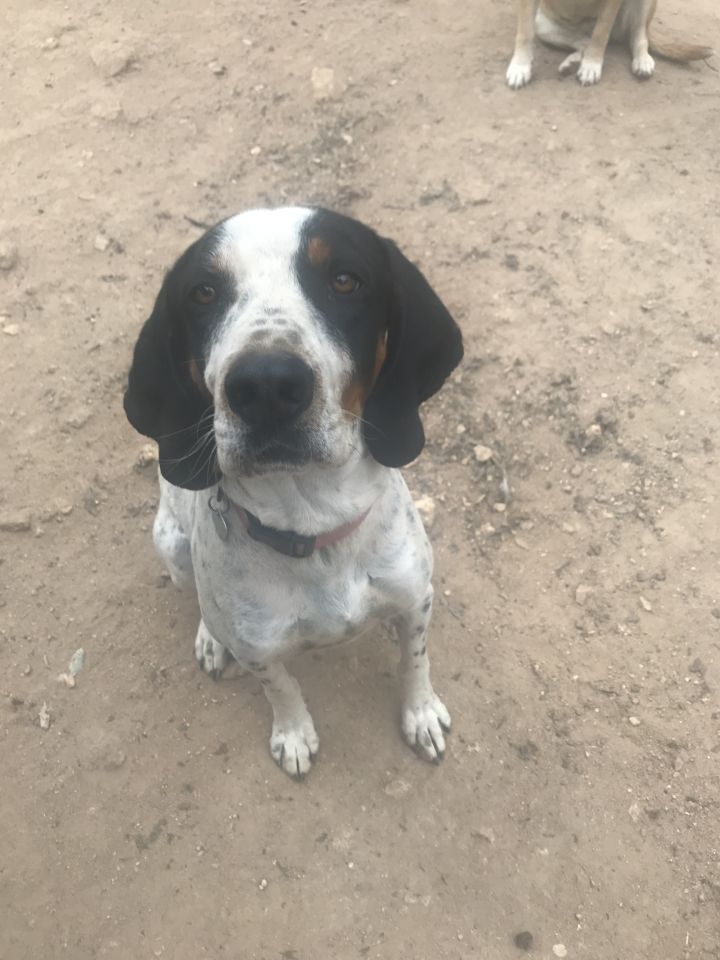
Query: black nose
x=264 y=387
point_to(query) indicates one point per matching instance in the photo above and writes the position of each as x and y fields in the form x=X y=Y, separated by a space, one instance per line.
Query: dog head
x=284 y=337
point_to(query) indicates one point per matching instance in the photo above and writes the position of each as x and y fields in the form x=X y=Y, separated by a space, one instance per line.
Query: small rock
x=485 y=833
x=114 y=760
x=634 y=721
x=499 y=507
x=44 y=717
x=634 y=811
x=148 y=454
x=716 y=612
x=524 y=940
x=593 y=431
x=263 y=884
x=397 y=788
x=582 y=592
x=576 y=470
x=323 y=82
x=11 y=329
x=482 y=454
x=697 y=666
x=425 y=506
x=219 y=69
x=255 y=151
x=101 y=243
x=460 y=429
x=645 y=604
x=9 y=255
x=77 y=662
x=568 y=528
x=111 y=59
x=67 y=678
x=15 y=522
x=50 y=43
x=559 y=950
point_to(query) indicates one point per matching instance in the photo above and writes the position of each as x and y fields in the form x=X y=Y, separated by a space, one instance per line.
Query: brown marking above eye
x=203 y=294
x=318 y=251
x=345 y=283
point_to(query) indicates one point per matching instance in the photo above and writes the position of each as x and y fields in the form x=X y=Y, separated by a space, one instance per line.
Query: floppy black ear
x=163 y=402
x=423 y=348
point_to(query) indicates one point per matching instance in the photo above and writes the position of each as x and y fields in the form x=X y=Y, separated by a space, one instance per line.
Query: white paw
x=211 y=655
x=643 y=66
x=519 y=73
x=589 y=72
x=570 y=63
x=423 y=722
x=295 y=747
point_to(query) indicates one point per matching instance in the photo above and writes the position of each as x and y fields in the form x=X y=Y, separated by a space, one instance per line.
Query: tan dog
x=585 y=27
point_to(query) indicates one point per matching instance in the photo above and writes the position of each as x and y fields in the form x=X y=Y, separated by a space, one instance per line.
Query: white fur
x=256 y=604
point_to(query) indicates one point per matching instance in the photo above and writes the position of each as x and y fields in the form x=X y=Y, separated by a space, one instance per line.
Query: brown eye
x=203 y=294
x=345 y=283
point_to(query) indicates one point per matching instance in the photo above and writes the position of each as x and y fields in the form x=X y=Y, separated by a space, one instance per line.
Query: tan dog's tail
x=672 y=49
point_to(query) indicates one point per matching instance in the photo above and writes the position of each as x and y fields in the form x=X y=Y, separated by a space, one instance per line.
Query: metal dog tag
x=218 y=508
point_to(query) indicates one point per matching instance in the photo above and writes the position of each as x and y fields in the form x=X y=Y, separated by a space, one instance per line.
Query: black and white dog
x=281 y=372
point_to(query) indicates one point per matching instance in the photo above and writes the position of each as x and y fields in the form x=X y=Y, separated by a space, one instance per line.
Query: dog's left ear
x=162 y=400
x=424 y=346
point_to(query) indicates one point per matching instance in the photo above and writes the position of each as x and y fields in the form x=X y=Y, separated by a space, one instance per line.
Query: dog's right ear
x=164 y=402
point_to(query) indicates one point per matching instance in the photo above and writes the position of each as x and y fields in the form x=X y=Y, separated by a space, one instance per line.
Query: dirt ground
x=574 y=232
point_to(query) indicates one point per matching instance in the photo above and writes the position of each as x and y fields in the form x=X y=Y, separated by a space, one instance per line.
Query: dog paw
x=295 y=747
x=211 y=655
x=423 y=722
x=643 y=66
x=589 y=72
x=570 y=63
x=519 y=73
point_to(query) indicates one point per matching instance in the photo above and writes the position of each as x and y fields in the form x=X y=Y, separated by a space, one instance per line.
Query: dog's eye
x=203 y=294
x=345 y=283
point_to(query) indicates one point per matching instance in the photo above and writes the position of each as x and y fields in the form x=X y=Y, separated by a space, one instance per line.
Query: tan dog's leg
x=591 y=64
x=643 y=65
x=519 y=72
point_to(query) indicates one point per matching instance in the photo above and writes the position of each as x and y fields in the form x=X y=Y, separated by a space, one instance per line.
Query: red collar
x=288 y=542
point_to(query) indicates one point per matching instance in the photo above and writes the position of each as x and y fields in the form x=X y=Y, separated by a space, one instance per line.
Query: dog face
x=284 y=337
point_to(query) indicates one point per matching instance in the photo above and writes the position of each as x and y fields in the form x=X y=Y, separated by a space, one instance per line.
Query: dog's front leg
x=424 y=715
x=590 y=69
x=294 y=742
x=519 y=72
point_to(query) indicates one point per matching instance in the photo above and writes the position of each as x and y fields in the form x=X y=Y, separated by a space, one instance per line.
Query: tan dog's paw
x=570 y=63
x=589 y=72
x=643 y=66
x=519 y=73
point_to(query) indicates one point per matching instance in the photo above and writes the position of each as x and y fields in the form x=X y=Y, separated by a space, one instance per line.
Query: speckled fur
x=257 y=605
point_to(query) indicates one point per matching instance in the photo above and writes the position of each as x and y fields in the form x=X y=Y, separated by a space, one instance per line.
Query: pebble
x=482 y=453
x=323 y=83
x=568 y=528
x=111 y=59
x=50 y=43
x=9 y=255
x=425 y=506
x=101 y=242
x=148 y=454
x=499 y=507
x=697 y=666
x=15 y=522
x=219 y=69
x=106 y=110
x=634 y=721
x=524 y=940
x=634 y=811
x=645 y=604
x=44 y=717
x=11 y=329
x=77 y=662
x=263 y=884
x=582 y=592
x=559 y=950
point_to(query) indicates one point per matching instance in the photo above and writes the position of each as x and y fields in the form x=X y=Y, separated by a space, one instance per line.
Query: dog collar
x=288 y=542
